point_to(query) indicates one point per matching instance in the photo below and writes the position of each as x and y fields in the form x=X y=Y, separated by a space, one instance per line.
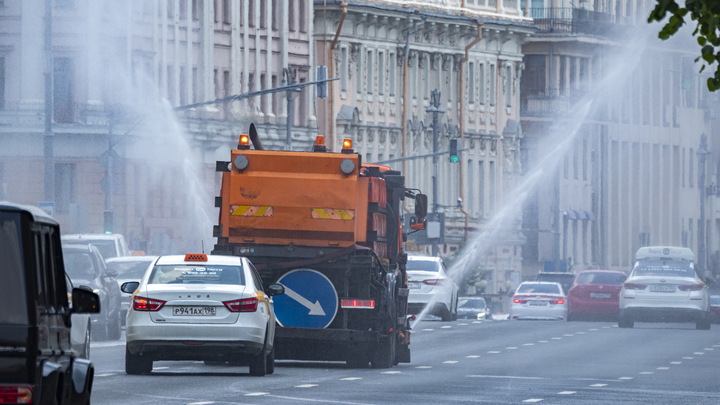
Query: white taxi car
x=429 y=285
x=199 y=307
x=664 y=287
x=539 y=300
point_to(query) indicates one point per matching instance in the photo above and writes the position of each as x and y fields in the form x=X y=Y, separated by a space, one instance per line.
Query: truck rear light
x=634 y=286
x=16 y=394
x=691 y=287
x=434 y=281
x=243 y=305
x=357 y=304
x=147 y=304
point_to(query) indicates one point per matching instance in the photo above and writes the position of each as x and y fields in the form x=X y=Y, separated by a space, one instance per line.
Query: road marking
x=428 y=330
x=676 y=362
x=493 y=352
x=707 y=348
x=450 y=362
x=647 y=372
x=165 y=368
x=566 y=392
x=716 y=345
x=593 y=329
x=606 y=327
x=474 y=356
x=687 y=358
x=463 y=324
x=104 y=375
x=567 y=334
x=256 y=394
x=598 y=385
x=533 y=400
x=556 y=338
x=543 y=341
x=390 y=372
x=663 y=368
x=614 y=326
x=510 y=348
x=510 y=377
x=306 y=386
x=201 y=403
x=477 y=321
x=108 y=344
x=446 y=327
x=698 y=353
x=625 y=378
x=423 y=367
x=579 y=333
x=528 y=344
x=351 y=379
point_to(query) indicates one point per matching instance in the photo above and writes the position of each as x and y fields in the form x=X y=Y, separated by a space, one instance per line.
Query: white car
x=429 y=285
x=109 y=245
x=664 y=290
x=80 y=329
x=539 y=300
x=129 y=268
x=199 y=307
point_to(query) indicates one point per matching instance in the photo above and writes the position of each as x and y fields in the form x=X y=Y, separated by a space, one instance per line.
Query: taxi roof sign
x=664 y=252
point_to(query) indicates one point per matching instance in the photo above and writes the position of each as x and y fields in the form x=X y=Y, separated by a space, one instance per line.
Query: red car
x=594 y=292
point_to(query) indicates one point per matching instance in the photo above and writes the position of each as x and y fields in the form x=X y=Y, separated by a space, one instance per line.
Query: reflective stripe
x=251 y=210
x=332 y=213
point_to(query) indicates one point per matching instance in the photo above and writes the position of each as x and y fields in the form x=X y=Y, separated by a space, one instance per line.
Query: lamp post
x=435 y=109
x=702 y=154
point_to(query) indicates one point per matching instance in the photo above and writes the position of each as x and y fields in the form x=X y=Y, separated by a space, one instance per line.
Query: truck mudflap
x=323 y=344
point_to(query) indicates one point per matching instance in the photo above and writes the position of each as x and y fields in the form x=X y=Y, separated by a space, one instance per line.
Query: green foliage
x=707 y=15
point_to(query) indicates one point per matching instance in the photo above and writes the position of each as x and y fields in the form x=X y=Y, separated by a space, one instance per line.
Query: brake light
x=434 y=281
x=557 y=301
x=691 y=287
x=519 y=301
x=633 y=286
x=243 y=305
x=16 y=394
x=357 y=304
x=147 y=304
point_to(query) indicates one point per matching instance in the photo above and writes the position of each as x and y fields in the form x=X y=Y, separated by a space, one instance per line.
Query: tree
x=707 y=15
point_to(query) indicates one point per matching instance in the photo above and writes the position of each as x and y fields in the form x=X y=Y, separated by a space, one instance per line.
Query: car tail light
x=519 y=301
x=16 y=394
x=243 y=305
x=434 y=281
x=357 y=304
x=634 y=286
x=147 y=304
x=691 y=287
x=557 y=301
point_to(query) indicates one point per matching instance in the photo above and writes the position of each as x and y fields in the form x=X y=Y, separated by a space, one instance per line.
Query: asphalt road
x=496 y=362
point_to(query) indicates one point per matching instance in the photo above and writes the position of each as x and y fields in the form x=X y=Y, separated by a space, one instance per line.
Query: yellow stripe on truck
x=251 y=210
x=332 y=213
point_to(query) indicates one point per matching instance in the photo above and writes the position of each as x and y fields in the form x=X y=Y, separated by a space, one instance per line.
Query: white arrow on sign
x=315 y=309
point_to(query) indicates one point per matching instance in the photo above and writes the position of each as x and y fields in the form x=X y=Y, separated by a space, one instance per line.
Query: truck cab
x=37 y=360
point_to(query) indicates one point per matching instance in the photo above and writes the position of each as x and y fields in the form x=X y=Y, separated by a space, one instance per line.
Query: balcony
x=549 y=103
x=579 y=21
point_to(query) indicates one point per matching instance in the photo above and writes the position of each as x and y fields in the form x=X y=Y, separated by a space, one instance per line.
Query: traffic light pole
x=435 y=109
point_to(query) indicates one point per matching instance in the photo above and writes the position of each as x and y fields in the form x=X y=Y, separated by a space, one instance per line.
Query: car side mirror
x=85 y=302
x=275 y=289
x=129 y=287
x=111 y=273
x=418 y=223
x=621 y=279
x=421 y=203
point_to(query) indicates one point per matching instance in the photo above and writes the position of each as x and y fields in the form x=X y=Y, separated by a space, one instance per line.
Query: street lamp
x=702 y=154
x=435 y=109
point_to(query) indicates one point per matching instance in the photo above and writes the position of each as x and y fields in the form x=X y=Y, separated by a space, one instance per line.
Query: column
x=270 y=118
x=312 y=120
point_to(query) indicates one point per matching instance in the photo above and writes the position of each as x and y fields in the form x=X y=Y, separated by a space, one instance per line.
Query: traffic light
x=454 y=156
x=109 y=223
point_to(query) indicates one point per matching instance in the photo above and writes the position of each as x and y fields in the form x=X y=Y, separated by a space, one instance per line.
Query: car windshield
x=12 y=288
x=79 y=265
x=423 y=265
x=598 y=278
x=538 y=288
x=130 y=269
x=197 y=274
x=664 y=268
x=471 y=304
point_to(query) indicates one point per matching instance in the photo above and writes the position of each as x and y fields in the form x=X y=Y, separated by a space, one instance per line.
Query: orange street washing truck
x=329 y=229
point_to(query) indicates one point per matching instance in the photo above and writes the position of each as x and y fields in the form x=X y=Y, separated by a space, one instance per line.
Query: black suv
x=37 y=362
x=86 y=267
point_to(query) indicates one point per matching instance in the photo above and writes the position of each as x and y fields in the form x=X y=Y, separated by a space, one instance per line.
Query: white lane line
x=428 y=330
x=647 y=372
x=556 y=338
x=567 y=334
x=716 y=345
x=351 y=379
x=450 y=362
x=687 y=358
x=306 y=386
x=201 y=403
x=104 y=375
x=699 y=353
x=598 y=385
x=477 y=321
x=510 y=348
x=493 y=352
x=707 y=348
x=676 y=362
x=509 y=377
x=528 y=344
x=256 y=394
x=165 y=368
x=108 y=344
x=579 y=333
x=463 y=324
x=606 y=327
x=625 y=378
x=543 y=341
x=423 y=367
x=199 y=362
x=614 y=326
x=567 y=392
x=533 y=400
x=593 y=329
x=390 y=372
x=663 y=368
x=446 y=327
x=472 y=356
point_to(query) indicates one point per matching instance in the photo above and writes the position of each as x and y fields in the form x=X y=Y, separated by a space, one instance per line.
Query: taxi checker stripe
x=330 y=213
x=252 y=211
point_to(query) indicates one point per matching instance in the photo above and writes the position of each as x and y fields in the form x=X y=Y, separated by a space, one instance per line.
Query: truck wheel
x=454 y=315
x=271 y=361
x=384 y=355
x=136 y=365
x=446 y=314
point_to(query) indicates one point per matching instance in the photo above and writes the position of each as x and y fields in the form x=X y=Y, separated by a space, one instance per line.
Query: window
x=562 y=83
x=426 y=78
x=303 y=15
x=470 y=205
x=358 y=74
x=197 y=274
x=227 y=12
x=343 y=69
x=2 y=83
x=195 y=10
x=65 y=4
x=263 y=13
x=194 y=85
x=392 y=74
x=274 y=15
x=263 y=104
x=370 y=69
x=576 y=159
x=584 y=159
x=170 y=8
x=471 y=83
x=492 y=186
x=63 y=90
x=216 y=83
x=170 y=87
x=381 y=73
x=251 y=13
x=64 y=190
x=481 y=186
x=481 y=75
x=217 y=11
x=566 y=166
x=509 y=90
x=291 y=15
x=691 y=169
x=683 y=167
x=183 y=9
x=534 y=75
x=493 y=79
x=183 y=87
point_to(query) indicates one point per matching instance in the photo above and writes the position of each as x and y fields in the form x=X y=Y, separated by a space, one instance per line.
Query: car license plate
x=600 y=295
x=413 y=285
x=537 y=303
x=194 y=311
x=662 y=288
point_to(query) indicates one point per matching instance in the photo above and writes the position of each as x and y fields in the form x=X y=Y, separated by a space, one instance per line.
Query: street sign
x=105 y=157
x=434 y=231
x=310 y=300
x=48 y=206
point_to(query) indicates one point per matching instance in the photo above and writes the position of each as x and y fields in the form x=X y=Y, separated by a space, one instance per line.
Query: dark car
x=715 y=308
x=86 y=267
x=37 y=362
x=564 y=279
x=129 y=268
x=473 y=308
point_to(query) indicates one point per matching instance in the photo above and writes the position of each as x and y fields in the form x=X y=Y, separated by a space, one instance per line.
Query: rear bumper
x=646 y=314
x=544 y=312
x=593 y=306
x=323 y=344
x=194 y=350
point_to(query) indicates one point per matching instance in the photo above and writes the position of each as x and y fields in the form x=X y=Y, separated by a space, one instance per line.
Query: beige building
x=126 y=63
x=384 y=90
x=630 y=177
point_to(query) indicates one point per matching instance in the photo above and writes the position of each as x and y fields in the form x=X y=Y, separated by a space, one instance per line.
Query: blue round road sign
x=310 y=300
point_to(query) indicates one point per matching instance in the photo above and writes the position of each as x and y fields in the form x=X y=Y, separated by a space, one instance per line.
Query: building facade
x=390 y=56
x=118 y=69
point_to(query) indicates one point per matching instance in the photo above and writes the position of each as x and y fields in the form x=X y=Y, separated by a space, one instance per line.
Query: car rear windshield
x=598 y=278
x=715 y=301
x=128 y=270
x=197 y=274
x=13 y=302
x=423 y=265
x=79 y=265
x=538 y=288
x=664 y=268
x=471 y=304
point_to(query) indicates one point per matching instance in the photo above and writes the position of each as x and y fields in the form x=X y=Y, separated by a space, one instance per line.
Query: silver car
x=129 y=268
